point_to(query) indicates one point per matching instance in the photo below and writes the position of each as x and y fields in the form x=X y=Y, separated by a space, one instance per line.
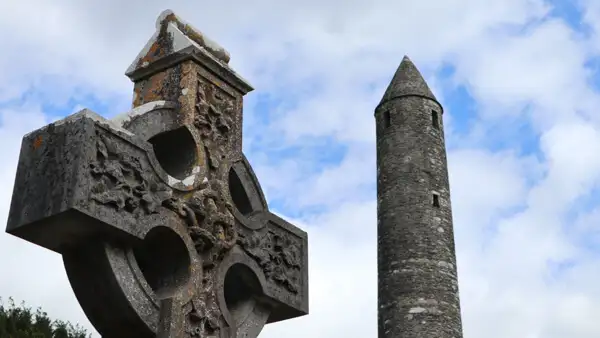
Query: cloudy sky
x=520 y=83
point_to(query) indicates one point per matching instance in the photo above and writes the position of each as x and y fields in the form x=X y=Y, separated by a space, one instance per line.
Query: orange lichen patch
x=154 y=53
x=37 y=142
x=150 y=89
x=161 y=47
x=155 y=87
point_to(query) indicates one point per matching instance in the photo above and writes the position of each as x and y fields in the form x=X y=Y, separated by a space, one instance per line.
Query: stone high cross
x=160 y=220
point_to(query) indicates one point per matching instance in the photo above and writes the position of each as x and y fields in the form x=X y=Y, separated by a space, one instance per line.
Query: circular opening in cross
x=176 y=151
x=238 y=193
x=164 y=261
x=240 y=289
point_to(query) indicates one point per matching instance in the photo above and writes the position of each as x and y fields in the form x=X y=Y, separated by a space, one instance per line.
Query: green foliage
x=22 y=322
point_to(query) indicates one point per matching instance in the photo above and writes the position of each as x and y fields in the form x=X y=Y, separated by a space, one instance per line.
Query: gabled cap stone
x=174 y=35
x=156 y=69
x=407 y=81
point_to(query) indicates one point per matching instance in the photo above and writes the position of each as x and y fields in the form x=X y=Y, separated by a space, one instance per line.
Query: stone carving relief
x=209 y=220
x=207 y=212
x=123 y=183
x=213 y=118
x=204 y=316
x=278 y=255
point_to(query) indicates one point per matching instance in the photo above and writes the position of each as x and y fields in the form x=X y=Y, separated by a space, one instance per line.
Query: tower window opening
x=387 y=120
x=436 y=200
x=435 y=119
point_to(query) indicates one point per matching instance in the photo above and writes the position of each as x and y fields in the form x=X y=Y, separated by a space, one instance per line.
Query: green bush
x=22 y=322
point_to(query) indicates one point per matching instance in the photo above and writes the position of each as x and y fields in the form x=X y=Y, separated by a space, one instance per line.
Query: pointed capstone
x=174 y=60
x=174 y=35
x=407 y=81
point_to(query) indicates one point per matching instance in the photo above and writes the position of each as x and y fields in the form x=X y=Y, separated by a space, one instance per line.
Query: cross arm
x=281 y=251
x=279 y=247
x=74 y=177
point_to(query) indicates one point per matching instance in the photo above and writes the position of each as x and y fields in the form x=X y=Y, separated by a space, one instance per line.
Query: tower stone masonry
x=417 y=276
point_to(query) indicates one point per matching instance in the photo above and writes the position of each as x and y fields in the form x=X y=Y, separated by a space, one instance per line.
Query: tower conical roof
x=407 y=81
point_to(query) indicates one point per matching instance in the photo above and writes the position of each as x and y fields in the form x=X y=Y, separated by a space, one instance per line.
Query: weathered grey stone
x=161 y=222
x=418 y=289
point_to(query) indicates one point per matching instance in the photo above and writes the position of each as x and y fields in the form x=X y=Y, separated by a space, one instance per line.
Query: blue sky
x=520 y=86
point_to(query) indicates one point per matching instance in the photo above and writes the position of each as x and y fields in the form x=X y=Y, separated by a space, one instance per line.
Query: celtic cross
x=161 y=222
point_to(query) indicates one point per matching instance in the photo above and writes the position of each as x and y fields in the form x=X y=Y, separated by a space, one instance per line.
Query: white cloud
x=332 y=60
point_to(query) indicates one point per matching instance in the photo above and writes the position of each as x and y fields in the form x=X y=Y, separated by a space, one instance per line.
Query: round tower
x=417 y=281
